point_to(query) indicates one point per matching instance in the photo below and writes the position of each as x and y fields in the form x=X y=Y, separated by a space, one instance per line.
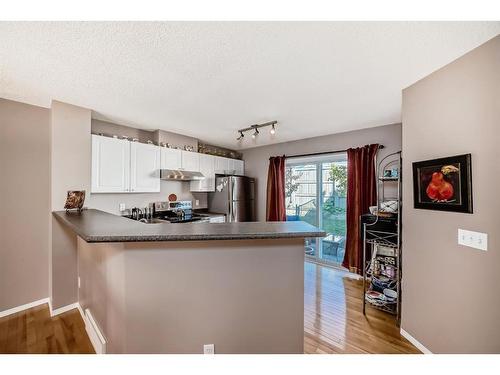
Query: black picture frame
x=443 y=184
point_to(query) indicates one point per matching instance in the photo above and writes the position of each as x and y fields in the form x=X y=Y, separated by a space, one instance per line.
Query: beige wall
x=24 y=203
x=174 y=297
x=70 y=170
x=451 y=302
x=257 y=159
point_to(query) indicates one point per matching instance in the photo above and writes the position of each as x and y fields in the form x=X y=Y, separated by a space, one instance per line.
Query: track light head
x=273 y=130
x=255 y=134
x=241 y=136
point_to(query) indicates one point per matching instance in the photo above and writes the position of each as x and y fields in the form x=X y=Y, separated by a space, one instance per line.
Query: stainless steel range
x=177 y=212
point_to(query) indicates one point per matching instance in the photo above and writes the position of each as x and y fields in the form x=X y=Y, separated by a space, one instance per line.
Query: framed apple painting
x=443 y=184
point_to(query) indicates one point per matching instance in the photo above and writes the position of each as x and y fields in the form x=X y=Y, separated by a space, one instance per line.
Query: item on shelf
x=172 y=198
x=385 y=250
x=389 y=206
x=394 y=172
x=376 y=268
x=387 y=260
x=390 y=295
x=389 y=271
x=388 y=173
x=383 y=282
x=373 y=210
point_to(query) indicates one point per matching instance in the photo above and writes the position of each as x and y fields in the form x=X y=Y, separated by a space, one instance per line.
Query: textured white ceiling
x=208 y=79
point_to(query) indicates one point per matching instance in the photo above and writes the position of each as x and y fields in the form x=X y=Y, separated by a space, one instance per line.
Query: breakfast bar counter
x=99 y=226
x=173 y=288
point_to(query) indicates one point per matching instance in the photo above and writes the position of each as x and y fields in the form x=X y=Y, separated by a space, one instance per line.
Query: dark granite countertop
x=99 y=226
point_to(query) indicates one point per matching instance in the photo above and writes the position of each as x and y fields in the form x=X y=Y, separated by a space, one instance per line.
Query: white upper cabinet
x=110 y=165
x=229 y=166
x=171 y=158
x=238 y=166
x=207 y=168
x=190 y=161
x=144 y=168
x=121 y=166
x=221 y=165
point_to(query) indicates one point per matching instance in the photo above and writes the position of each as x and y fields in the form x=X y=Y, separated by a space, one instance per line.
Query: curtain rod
x=322 y=153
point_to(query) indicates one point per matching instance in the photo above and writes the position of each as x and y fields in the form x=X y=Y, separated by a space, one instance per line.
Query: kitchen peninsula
x=173 y=288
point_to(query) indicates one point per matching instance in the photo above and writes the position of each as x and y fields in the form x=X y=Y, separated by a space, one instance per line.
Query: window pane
x=333 y=210
x=301 y=198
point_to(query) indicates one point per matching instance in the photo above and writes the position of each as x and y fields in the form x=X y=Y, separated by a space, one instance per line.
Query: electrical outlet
x=476 y=240
x=197 y=202
x=122 y=207
x=209 y=349
x=79 y=282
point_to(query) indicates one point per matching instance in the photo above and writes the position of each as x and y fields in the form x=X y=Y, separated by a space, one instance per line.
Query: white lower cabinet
x=121 y=166
x=144 y=168
x=207 y=168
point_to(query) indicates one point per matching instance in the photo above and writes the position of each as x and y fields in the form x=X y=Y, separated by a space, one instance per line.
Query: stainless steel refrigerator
x=234 y=196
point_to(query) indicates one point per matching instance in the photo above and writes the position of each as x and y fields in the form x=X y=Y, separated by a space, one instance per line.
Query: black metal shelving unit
x=381 y=235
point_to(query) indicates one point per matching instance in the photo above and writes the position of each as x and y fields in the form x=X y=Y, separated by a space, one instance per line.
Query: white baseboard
x=63 y=309
x=95 y=335
x=415 y=342
x=24 y=307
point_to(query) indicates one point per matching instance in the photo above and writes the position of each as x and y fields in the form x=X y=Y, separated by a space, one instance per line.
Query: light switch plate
x=122 y=207
x=476 y=240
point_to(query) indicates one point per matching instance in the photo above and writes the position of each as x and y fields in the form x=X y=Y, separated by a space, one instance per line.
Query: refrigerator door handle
x=230 y=199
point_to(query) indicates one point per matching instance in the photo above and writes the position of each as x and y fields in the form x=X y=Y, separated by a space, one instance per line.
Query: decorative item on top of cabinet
x=218 y=151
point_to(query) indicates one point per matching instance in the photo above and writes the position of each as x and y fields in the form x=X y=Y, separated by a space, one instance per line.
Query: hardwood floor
x=34 y=331
x=334 y=320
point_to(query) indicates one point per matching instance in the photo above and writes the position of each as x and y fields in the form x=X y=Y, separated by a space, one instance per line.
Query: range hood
x=180 y=175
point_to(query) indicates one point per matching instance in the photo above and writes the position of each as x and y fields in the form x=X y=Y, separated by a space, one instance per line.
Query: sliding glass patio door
x=316 y=189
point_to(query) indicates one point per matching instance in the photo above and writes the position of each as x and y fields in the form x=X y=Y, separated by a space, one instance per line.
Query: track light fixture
x=255 y=129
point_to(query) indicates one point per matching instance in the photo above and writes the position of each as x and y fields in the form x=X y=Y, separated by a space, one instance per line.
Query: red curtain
x=361 y=194
x=275 y=209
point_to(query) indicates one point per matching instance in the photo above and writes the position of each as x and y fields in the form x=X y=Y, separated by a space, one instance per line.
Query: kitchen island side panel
x=243 y=296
